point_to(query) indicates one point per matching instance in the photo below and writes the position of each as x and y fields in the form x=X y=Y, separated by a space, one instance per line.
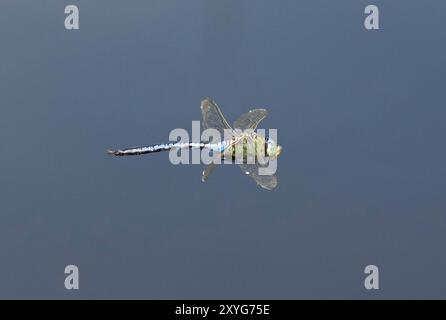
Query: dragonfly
x=244 y=146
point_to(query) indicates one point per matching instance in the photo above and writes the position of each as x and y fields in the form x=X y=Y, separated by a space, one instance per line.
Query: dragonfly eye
x=271 y=149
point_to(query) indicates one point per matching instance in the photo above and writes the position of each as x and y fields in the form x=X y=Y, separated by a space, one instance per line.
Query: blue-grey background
x=360 y=115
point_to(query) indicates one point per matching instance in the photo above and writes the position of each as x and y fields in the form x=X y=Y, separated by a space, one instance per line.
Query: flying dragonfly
x=250 y=150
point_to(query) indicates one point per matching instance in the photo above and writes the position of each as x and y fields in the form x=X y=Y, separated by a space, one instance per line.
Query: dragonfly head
x=273 y=149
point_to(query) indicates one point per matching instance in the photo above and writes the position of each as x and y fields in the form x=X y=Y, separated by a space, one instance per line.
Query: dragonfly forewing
x=213 y=117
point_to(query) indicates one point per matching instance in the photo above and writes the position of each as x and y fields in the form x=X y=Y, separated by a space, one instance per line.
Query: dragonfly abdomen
x=133 y=151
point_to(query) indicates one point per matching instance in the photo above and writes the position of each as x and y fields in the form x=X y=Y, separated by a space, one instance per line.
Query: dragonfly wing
x=251 y=119
x=207 y=171
x=213 y=117
x=268 y=182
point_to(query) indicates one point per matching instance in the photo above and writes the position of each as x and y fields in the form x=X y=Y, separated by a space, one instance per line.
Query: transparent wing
x=212 y=117
x=251 y=119
x=207 y=171
x=268 y=182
